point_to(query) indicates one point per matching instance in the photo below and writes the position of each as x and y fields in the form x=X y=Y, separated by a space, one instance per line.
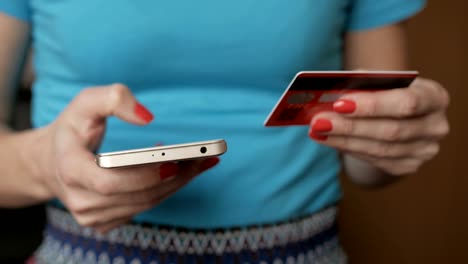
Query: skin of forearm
x=21 y=173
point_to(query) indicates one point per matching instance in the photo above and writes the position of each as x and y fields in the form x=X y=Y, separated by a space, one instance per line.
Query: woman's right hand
x=105 y=198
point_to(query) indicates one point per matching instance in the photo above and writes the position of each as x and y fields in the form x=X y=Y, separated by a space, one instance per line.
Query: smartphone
x=170 y=153
x=311 y=92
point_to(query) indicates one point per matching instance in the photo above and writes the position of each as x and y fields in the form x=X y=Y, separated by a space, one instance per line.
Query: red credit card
x=312 y=92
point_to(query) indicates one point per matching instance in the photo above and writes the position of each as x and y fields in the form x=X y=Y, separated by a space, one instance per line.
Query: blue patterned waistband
x=308 y=240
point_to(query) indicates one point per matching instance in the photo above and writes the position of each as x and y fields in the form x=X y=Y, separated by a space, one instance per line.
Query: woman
x=210 y=69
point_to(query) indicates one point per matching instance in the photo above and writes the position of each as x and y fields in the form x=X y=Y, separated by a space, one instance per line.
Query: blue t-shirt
x=207 y=69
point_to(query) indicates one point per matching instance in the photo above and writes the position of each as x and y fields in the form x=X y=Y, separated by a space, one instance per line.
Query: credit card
x=311 y=92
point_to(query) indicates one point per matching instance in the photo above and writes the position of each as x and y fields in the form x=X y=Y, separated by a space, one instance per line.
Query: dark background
x=20 y=229
x=422 y=219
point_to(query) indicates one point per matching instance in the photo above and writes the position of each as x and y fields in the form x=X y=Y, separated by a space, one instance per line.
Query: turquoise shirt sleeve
x=368 y=14
x=16 y=8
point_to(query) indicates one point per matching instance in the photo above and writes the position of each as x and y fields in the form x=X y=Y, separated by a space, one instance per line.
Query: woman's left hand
x=396 y=131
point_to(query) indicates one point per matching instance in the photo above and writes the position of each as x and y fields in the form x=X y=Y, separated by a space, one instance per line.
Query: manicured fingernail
x=209 y=163
x=344 y=106
x=317 y=137
x=168 y=170
x=143 y=113
x=322 y=125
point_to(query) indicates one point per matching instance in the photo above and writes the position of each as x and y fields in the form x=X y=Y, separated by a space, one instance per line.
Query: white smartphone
x=178 y=152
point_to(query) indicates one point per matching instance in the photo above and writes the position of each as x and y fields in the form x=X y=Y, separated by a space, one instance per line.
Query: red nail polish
x=168 y=170
x=344 y=106
x=143 y=113
x=317 y=137
x=209 y=163
x=322 y=125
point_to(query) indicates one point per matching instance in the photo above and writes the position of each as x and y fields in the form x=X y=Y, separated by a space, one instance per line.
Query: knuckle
x=413 y=167
x=439 y=91
x=76 y=205
x=443 y=129
x=148 y=197
x=393 y=132
x=371 y=107
x=103 y=188
x=407 y=169
x=442 y=93
x=117 y=94
x=381 y=150
x=445 y=97
x=400 y=167
x=67 y=179
x=432 y=150
x=348 y=127
x=85 y=221
x=119 y=88
x=409 y=105
x=344 y=145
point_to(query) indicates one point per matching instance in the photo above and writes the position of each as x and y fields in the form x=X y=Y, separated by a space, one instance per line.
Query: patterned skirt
x=312 y=239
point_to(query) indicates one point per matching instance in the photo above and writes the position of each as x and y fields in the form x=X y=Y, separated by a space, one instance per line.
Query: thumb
x=97 y=103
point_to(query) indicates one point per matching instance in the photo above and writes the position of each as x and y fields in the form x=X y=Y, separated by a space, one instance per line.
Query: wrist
x=365 y=174
x=35 y=155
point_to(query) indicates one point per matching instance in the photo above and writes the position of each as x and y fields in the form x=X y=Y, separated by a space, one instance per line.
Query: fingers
x=105 y=228
x=422 y=97
x=194 y=167
x=423 y=150
x=101 y=210
x=82 y=171
x=108 y=212
x=85 y=201
x=95 y=210
x=434 y=127
x=104 y=217
x=396 y=131
x=93 y=105
x=106 y=198
x=397 y=167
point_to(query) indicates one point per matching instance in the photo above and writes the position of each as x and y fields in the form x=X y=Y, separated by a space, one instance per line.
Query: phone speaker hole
x=163 y=154
x=203 y=150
